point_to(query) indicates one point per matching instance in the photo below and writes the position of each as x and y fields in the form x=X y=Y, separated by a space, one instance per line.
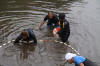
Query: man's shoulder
x=55 y=15
x=28 y=30
x=46 y=16
x=66 y=22
x=78 y=57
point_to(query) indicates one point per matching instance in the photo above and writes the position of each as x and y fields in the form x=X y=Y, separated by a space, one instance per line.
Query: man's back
x=31 y=36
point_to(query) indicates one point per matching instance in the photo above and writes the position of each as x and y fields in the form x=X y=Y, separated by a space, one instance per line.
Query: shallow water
x=16 y=15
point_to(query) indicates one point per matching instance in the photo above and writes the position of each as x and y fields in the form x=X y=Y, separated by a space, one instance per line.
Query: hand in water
x=55 y=32
x=62 y=65
x=39 y=28
x=56 y=35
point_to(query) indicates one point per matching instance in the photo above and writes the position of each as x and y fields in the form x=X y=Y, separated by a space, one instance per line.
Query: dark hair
x=61 y=16
x=24 y=33
x=50 y=12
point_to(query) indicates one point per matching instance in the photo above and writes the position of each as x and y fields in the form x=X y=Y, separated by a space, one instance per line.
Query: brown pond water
x=16 y=15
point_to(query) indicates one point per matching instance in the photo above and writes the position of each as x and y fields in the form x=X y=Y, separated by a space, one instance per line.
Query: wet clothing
x=79 y=59
x=89 y=63
x=51 y=22
x=31 y=37
x=65 y=30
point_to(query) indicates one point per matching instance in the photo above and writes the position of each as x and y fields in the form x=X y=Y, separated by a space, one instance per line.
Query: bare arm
x=18 y=39
x=81 y=64
x=65 y=61
x=41 y=25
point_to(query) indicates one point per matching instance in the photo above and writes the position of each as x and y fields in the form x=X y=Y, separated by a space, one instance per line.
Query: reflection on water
x=25 y=49
x=21 y=53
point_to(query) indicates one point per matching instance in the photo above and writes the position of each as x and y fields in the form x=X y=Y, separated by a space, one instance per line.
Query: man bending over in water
x=26 y=35
x=78 y=60
x=52 y=20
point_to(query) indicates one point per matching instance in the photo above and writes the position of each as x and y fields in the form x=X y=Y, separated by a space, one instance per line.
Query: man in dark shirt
x=65 y=28
x=26 y=35
x=52 y=20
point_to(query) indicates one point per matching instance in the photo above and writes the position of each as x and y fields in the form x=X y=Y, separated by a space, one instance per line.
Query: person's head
x=69 y=57
x=50 y=15
x=61 y=16
x=24 y=34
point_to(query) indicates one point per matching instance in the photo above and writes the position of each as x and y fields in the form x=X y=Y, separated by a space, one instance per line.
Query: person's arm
x=56 y=20
x=34 y=37
x=81 y=64
x=42 y=23
x=35 y=40
x=67 y=27
x=64 y=63
x=18 y=39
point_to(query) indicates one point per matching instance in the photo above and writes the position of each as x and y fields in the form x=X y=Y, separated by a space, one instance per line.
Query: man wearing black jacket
x=26 y=35
x=64 y=33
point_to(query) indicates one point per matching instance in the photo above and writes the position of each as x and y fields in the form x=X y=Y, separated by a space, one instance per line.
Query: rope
x=64 y=44
x=69 y=47
x=47 y=41
x=6 y=43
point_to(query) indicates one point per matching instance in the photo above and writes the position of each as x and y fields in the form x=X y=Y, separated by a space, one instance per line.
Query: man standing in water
x=52 y=20
x=26 y=35
x=64 y=28
x=78 y=60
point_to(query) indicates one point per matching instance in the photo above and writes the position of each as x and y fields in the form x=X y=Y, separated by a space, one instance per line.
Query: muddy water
x=16 y=15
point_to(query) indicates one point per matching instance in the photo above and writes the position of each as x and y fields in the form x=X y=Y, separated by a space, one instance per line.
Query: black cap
x=61 y=16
